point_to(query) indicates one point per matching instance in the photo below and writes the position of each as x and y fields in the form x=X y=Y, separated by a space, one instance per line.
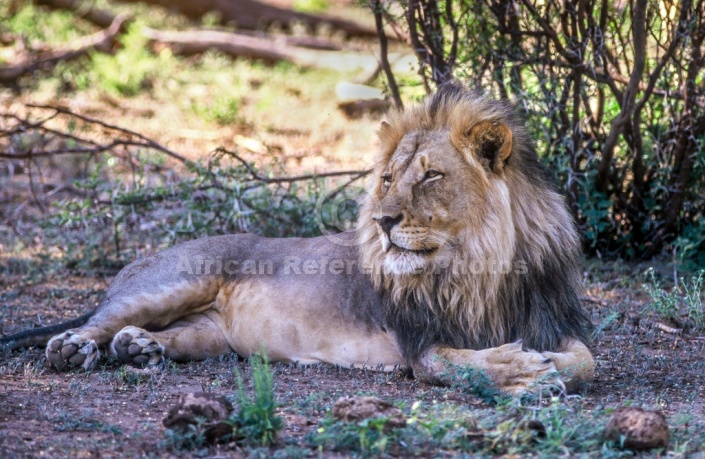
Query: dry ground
x=115 y=412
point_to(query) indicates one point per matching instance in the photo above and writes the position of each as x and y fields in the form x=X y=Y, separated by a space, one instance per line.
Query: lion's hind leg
x=70 y=350
x=195 y=337
x=136 y=346
x=134 y=300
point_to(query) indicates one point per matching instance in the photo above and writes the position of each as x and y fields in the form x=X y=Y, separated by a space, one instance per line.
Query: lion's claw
x=70 y=350
x=137 y=347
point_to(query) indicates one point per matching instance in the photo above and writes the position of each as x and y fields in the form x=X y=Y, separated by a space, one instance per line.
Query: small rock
x=640 y=428
x=355 y=409
x=357 y=99
x=205 y=410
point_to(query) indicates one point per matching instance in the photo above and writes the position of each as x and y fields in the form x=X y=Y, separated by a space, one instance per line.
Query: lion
x=464 y=255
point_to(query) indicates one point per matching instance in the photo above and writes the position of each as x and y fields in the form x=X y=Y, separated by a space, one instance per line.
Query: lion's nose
x=387 y=222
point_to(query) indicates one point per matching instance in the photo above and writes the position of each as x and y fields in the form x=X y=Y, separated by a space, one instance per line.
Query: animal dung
x=204 y=410
x=356 y=409
x=637 y=429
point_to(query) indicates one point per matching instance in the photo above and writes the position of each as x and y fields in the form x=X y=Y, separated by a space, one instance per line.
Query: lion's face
x=432 y=194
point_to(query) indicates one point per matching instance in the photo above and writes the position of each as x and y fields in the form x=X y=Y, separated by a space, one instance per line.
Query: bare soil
x=117 y=412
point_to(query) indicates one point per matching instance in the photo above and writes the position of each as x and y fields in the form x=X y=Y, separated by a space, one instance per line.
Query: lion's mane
x=526 y=223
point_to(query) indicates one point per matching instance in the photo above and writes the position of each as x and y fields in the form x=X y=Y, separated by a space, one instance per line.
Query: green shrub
x=128 y=71
x=256 y=421
x=684 y=304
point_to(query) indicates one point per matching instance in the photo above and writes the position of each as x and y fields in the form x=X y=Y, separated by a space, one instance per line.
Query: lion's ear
x=384 y=128
x=491 y=141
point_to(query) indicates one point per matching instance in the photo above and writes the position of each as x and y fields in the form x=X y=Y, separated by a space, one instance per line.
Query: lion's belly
x=301 y=321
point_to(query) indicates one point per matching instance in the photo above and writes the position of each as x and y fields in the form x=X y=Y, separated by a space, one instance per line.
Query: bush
x=613 y=94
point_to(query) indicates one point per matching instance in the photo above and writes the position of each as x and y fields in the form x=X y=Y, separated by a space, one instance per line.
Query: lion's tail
x=40 y=336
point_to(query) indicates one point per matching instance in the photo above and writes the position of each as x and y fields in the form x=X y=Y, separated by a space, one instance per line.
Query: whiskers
x=439 y=239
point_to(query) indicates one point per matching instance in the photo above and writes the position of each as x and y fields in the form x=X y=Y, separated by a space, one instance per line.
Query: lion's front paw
x=517 y=371
x=136 y=346
x=70 y=350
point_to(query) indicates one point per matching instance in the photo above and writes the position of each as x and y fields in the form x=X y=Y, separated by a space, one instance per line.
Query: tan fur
x=506 y=214
x=451 y=202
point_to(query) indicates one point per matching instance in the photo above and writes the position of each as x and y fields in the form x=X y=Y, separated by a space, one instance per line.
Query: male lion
x=465 y=255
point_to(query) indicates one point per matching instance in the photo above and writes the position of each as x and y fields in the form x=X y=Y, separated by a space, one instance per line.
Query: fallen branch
x=103 y=18
x=255 y=15
x=82 y=9
x=102 y=41
x=237 y=45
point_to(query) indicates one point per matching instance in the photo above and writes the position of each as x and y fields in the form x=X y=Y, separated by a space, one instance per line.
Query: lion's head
x=462 y=227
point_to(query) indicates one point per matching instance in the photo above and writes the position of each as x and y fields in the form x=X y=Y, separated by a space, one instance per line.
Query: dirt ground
x=118 y=412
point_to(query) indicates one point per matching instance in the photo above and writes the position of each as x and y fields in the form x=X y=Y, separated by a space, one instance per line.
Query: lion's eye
x=431 y=175
x=387 y=180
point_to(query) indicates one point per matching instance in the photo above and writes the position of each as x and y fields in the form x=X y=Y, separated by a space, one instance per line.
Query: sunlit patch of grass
x=683 y=304
x=311 y=6
x=39 y=25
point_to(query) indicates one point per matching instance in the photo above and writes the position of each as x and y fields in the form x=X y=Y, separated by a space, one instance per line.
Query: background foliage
x=614 y=96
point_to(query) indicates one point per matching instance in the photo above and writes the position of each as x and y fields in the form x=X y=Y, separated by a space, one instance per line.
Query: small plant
x=223 y=111
x=127 y=72
x=256 y=422
x=475 y=382
x=369 y=436
x=190 y=438
x=311 y=6
x=683 y=304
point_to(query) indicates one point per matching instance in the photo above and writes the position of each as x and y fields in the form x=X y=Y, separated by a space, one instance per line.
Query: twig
x=297 y=178
x=147 y=141
x=101 y=41
x=377 y=8
x=665 y=328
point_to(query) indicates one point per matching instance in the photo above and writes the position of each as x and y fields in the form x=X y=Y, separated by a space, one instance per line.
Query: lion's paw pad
x=70 y=350
x=136 y=346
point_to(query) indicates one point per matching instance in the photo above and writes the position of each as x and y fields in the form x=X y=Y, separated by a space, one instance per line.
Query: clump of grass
x=311 y=6
x=554 y=427
x=223 y=110
x=475 y=382
x=127 y=72
x=683 y=304
x=369 y=436
x=256 y=422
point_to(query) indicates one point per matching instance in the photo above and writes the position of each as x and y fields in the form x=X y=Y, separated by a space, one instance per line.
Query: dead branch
x=255 y=15
x=81 y=9
x=102 y=41
x=143 y=140
x=233 y=44
x=122 y=137
x=297 y=178
x=665 y=328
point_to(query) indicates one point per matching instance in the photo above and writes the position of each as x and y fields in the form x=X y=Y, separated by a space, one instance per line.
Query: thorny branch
x=230 y=194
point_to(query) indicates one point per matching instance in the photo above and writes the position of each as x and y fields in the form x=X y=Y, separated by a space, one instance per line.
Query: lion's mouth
x=425 y=251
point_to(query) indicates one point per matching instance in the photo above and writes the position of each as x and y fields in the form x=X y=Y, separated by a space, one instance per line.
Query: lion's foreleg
x=512 y=369
x=575 y=363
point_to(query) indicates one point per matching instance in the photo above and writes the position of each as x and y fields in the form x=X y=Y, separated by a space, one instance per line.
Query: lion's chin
x=398 y=261
x=405 y=262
